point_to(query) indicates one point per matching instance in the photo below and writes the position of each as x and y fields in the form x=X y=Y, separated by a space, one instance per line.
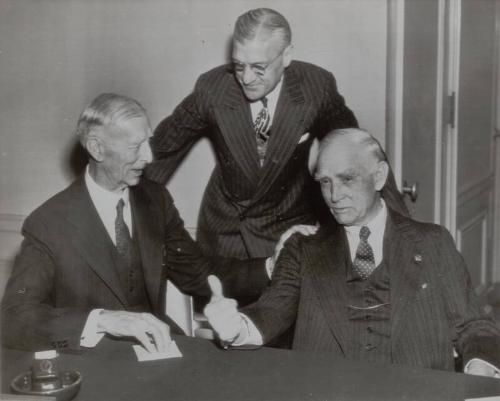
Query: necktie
x=261 y=126
x=364 y=262
x=123 y=239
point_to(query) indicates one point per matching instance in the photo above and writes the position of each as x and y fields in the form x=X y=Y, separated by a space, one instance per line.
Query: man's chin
x=343 y=218
x=134 y=180
x=253 y=95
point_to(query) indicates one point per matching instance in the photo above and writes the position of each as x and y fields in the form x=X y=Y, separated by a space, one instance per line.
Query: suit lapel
x=151 y=239
x=235 y=123
x=400 y=246
x=91 y=239
x=329 y=276
x=286 y=129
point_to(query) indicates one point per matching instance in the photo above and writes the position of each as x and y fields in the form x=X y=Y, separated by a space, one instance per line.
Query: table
x=206 y=372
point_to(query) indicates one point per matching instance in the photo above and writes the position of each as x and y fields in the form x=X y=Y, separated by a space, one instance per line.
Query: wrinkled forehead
x=257 y=49
x=129 y=129
x=341 y=156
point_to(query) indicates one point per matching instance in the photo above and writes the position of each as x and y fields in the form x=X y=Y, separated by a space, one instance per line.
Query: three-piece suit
x=433 y=309
x=66 y=266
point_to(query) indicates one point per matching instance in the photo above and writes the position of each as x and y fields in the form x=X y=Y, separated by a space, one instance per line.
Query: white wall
x=55 y=56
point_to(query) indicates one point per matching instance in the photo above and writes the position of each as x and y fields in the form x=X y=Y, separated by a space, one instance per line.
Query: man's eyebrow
x=236 y=61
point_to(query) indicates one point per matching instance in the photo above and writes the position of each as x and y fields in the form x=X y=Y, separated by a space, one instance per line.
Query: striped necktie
x=123 y=238
x=261 y=126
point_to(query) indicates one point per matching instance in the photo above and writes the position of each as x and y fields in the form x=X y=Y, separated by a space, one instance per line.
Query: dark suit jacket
x=245 y=207
x=433 y=307
x=65 y=267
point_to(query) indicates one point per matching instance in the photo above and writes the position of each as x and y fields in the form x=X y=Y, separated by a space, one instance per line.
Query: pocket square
x=304 y=137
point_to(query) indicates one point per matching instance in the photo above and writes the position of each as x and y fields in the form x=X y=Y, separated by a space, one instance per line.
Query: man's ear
x=95 y=148
x=381 y=173
x=287 y=55
x=312 y=160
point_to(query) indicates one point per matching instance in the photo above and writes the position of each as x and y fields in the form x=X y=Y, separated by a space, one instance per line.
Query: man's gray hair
x=358 y=136
x=107 y=109
x=262 y=20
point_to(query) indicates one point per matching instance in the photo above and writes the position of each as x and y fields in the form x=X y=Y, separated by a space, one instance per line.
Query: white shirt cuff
x=495 y=369
x=249 y=334
x=90 y=336
x=269 y=267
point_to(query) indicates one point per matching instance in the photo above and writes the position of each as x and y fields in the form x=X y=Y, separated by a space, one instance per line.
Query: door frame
x=394 y=107
x=496 y=154
x=448 y=67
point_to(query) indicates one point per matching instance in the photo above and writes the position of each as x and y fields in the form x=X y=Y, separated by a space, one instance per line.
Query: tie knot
x=119 y=206
x=364 y=233
x=264 y=102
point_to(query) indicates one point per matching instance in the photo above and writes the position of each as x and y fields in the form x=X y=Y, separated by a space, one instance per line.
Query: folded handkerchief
x=304 y=137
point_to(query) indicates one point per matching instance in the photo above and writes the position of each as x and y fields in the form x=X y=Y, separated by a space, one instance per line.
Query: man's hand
x=299 y=228
x=143 y=326
x=222 y=313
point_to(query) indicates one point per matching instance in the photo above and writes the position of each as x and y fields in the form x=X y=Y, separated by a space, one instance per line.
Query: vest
x=369 y=315
x=132 y=279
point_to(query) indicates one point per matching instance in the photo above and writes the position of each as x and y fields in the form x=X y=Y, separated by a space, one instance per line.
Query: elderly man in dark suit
x=375 y=287
x=96 y=256
x=261 y=112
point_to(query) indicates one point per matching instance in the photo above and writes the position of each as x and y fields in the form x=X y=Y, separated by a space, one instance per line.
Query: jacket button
x=242 y=216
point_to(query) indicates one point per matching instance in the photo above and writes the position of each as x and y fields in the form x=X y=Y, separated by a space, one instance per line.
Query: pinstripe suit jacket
x=433 y=307
x=245 y=207
x=66 y=268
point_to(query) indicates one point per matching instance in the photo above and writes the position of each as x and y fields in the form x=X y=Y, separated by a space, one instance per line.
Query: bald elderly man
x=375 y=287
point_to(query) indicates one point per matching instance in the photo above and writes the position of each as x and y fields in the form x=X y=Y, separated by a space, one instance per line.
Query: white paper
x=496 y=398
x=144 y=355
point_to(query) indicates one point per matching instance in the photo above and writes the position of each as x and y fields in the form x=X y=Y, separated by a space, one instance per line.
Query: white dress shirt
x=376 y=237
x=105 y=203
x=272 y=101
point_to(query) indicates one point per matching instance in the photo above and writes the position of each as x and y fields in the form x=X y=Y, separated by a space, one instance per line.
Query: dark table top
x=111 y=372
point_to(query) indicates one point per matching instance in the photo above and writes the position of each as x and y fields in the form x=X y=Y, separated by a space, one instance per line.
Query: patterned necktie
x=123 y=239
x=364 y=262
x=261 y=126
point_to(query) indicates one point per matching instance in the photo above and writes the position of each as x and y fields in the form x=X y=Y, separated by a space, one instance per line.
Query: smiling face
x=350 y=178
x=259 y=64
x=123 y=153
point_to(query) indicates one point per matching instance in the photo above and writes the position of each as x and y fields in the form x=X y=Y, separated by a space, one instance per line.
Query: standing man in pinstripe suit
x=376 y=287
x=261 y=113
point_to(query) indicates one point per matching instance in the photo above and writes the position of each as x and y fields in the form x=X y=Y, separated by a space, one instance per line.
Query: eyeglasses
x=257 y=68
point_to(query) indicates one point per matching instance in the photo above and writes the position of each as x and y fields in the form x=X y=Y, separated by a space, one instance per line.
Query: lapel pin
x=424 y=286
x=417 y=258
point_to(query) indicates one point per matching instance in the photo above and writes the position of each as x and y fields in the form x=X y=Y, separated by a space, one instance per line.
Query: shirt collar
x=272 y=97
x=102 y=195
x=376 y=225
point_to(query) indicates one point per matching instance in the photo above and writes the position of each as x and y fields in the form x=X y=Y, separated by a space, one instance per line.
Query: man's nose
x=248 y=76
x=335 y=193
x=147 y=153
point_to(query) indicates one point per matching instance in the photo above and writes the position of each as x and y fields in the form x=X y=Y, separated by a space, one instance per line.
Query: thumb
x=215 y=286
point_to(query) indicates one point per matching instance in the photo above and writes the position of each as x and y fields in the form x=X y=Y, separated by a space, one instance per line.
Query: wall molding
x=11 y=223
x=10 y=240
x=469 y=225
x=476 y=189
